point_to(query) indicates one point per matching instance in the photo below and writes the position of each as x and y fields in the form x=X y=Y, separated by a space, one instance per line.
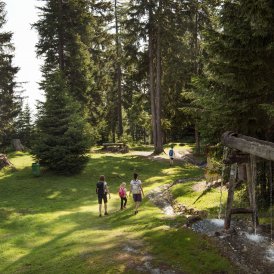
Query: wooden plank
x=249 y=145
x=241 y=210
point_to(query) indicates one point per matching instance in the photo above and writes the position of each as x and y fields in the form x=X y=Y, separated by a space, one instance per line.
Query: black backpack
x=101 y=188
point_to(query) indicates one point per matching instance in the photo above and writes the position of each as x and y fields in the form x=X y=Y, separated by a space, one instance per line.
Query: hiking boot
x=100 y=215
x=106 y=213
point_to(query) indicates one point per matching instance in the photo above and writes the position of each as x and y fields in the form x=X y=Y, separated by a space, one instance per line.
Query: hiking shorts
x=102 y=197
x=137 y=197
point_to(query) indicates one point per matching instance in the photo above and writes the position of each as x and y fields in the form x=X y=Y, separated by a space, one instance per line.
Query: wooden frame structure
x=241 y=160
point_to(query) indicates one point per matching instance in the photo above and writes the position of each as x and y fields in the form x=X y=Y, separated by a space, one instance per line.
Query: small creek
x=252 y=253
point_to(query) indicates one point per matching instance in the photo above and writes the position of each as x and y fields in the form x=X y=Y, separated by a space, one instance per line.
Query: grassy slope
x=50 y=224
x=185 y=194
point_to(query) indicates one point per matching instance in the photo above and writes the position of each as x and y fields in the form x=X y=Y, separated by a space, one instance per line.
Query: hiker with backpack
x=137 y=191
x=123 y=195
x=102 y=190
x=171 y=155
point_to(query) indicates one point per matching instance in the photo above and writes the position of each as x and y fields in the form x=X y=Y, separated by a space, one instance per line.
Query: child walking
x=123 y=195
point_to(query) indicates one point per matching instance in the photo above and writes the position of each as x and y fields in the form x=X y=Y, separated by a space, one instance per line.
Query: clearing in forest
x=50 y=224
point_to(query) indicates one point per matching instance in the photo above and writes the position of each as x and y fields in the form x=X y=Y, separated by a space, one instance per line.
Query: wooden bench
x=120 y=145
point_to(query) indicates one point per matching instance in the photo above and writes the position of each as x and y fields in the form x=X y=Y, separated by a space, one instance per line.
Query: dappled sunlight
x=210 y=201
x=53 y=220
x=54 y=195
x=172 y=170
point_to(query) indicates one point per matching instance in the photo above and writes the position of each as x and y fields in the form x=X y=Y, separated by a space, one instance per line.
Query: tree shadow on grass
x=27 y=200
x=22 y=192
x=86 y=239
x=48 y=255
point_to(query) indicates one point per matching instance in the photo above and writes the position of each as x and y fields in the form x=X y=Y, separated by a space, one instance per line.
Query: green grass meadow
x=50 y=224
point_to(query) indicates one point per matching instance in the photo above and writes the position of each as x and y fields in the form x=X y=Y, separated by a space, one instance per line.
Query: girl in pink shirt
x=123 y=195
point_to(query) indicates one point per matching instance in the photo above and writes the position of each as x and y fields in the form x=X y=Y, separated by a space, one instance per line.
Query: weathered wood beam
x=241 y=211
x=237 y=157
x=262 y=149
x=230 y=195
x=252 y=186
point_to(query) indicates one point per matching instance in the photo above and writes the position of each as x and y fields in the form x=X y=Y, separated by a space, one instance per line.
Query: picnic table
x=120 y=145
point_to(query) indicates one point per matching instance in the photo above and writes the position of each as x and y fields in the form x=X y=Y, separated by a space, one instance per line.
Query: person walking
x=102 y=190
x=137 y=191
x=123 y=195
x=171 y=155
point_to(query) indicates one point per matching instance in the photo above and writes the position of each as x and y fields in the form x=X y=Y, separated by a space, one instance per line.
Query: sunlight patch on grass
x=50 y=224
x=210 y=201
x=54 y=195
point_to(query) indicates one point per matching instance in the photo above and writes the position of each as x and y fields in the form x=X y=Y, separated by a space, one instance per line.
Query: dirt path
x=133 y=253
x=183 y=155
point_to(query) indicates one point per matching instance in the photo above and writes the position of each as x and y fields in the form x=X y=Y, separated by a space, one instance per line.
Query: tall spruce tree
x=62 y=136
x=9 y=98
x=24 y=127
x=72 y=35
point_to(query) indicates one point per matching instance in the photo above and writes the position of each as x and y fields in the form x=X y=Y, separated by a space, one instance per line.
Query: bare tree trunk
x=144 y=135
x=118 y=76
x=196 y=54
x=113 y=134
x=61 y=37
x=17 y=145
x=197 y=140
x=159 y=141
x=151 y=75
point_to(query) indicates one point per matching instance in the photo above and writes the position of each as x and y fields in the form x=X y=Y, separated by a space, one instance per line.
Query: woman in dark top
x=102 y=191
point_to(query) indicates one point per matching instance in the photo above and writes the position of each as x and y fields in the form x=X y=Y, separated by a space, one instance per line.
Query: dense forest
x=143 y=71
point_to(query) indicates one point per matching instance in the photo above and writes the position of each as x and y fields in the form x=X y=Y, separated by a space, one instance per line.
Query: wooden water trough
x=241 y=158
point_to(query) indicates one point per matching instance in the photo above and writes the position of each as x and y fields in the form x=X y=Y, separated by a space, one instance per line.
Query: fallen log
x=4 y=161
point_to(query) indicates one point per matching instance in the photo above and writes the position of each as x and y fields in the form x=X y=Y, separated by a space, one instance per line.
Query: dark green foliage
x=237 y=86
x=73 y=37
x=62 y=139
x=24 y=127
x=9 y=98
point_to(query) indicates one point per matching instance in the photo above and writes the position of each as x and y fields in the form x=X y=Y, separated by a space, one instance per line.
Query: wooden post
x=252 y=179
x=232 y=184
x=242 y=172
x=249 y=179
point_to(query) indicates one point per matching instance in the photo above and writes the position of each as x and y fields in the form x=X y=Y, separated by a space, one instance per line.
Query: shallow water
x=218 y=222
x=208 y=226
x=168 y=210
x=255 y=237
x=270 y=254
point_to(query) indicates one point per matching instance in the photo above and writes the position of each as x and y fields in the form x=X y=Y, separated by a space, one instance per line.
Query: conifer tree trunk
x=196 y=49
x=159 y=139
x=197 y=139
x=151 y=74
x=118 y=75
